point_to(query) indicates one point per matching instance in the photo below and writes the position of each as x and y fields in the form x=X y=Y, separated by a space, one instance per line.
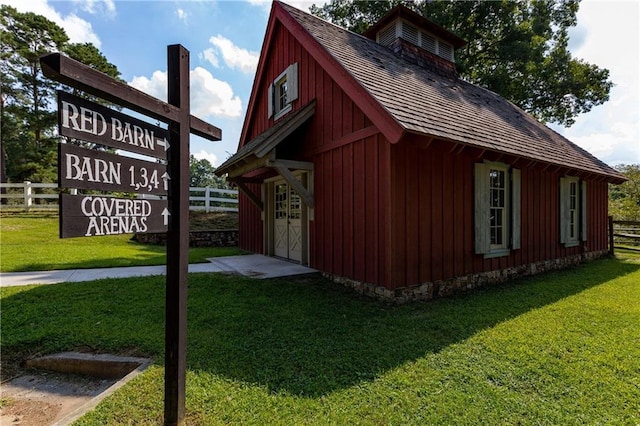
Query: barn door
x=287 y=224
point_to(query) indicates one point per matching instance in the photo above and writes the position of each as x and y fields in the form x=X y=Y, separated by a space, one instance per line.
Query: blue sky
x=225 y=38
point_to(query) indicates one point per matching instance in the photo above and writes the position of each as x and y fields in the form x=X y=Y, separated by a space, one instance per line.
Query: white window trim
x=290 y=76
x=482 y=210
x=580 y=233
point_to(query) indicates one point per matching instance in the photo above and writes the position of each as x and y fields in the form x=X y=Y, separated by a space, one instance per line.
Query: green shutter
x=583 y=210
x=270 y=100
x=292 y=82
x=565 y=219
x=515 y=208
x=481 y=204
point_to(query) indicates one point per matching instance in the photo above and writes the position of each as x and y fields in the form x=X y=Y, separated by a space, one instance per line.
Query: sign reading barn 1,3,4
x=83 y=168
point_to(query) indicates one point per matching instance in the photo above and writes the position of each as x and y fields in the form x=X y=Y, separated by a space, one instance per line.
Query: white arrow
x=165 y=213
x=163 y=143
x=166 y=178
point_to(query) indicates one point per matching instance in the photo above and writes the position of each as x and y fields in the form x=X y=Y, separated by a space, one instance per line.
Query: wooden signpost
x=80 y=168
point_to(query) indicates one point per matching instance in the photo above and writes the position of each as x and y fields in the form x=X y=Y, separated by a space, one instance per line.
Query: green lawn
x=30 y=242
x=560 y=348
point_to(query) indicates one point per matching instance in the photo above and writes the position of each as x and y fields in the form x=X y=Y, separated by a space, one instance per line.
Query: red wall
x=433 y=215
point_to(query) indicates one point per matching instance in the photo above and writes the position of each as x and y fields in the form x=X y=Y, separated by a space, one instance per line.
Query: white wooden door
x=287 y=223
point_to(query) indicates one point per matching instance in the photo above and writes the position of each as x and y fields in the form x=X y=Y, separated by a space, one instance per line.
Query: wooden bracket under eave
x=305 y=195
x=252 y=197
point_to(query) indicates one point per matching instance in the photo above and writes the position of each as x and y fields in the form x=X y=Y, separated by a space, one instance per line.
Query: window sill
x=282 y=112
x=572 y=244
x=497 y=253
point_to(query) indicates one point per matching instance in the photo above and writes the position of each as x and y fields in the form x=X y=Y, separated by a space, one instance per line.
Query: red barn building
x=367 y=158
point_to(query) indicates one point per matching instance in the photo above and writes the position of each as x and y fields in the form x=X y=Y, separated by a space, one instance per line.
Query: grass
x=30 y=242
x=560 y=348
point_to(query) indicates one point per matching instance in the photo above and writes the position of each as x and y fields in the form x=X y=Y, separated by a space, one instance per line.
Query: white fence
x=29 y=196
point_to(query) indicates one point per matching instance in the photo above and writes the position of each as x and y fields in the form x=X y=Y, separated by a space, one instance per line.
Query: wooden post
x=177 y=114
x=611 y=249
x=28 y=193
x=177 y=238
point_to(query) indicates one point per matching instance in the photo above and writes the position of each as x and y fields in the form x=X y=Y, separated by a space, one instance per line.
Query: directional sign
x=93 y=215
x=83 y=168
x=88 y=121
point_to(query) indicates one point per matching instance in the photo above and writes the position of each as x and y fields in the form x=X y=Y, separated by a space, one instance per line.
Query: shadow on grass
x=303 y=336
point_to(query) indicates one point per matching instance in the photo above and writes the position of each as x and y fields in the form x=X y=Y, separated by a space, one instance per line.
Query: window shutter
x=565 y=206
x=583 y=210
x=515 y=208
x=270 y=101
x=481 y=203
x=292 y=82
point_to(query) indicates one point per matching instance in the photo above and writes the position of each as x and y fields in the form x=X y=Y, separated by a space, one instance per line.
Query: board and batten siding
x=349 y=232
x=432 y=215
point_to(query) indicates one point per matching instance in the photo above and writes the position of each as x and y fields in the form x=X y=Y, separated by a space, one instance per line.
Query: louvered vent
x=445 y=50
x=387 y=36
x=410 y=33
x=428 y=43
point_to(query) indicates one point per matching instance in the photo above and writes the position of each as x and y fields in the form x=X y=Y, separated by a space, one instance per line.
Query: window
x=573 y=211
x=497 y=209
x=283 y=91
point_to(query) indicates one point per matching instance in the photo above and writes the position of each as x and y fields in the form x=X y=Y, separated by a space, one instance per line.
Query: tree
x=28 y=136
x=515 y=48
x=624 y=199
x=201 y=174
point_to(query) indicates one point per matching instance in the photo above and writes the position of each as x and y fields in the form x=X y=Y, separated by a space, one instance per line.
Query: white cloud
x=78 y=30
x=154 y=86
x=182 y=15
x=210 y=97
x=235 y=57
x=97 y=7
x=210 y=55
x=204 y=155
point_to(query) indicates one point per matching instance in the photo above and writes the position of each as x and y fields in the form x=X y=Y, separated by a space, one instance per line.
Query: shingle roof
x=425 y=102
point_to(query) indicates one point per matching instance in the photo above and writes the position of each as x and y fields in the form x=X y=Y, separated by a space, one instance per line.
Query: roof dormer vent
x=417 y=39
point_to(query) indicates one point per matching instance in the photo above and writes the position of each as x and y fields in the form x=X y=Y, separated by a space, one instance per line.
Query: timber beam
x=80 y=76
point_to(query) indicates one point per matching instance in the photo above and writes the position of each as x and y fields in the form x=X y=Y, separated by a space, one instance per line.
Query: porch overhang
x=261 y=153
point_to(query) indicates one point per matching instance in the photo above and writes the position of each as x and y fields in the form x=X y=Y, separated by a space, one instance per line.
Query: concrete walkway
x=255 y=266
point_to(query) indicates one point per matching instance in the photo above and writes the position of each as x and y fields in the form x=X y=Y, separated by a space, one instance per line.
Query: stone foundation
x=444 y=288
x=212 y=238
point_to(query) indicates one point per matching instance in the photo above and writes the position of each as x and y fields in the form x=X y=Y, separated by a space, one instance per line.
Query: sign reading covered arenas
x=92 y=215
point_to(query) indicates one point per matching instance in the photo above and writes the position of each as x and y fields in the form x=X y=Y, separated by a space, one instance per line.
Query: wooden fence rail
x=623 y=232
x=27 y=196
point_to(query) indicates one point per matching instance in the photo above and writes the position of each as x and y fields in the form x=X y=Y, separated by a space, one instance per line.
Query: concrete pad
x=259 y=266
x=45 y=398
